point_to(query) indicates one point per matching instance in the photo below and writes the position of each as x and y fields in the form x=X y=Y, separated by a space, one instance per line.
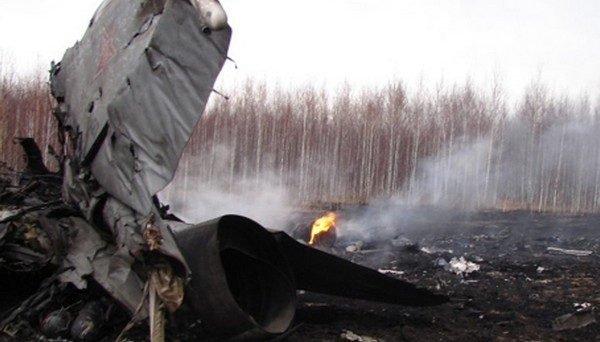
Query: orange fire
x=322 y=225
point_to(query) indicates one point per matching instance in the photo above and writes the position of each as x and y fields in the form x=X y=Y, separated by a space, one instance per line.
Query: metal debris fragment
x=576 y=320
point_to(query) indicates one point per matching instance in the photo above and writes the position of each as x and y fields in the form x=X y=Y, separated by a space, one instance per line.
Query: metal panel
x=134 y=88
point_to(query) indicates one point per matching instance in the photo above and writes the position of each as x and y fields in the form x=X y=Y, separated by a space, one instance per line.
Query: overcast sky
x=363 y=42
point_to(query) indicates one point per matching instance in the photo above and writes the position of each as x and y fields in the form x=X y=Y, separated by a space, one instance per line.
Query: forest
x=458 y=145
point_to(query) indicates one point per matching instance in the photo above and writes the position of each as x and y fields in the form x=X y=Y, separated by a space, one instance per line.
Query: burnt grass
x=519 y=290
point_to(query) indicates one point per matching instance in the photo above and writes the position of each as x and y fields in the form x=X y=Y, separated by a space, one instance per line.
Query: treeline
x=457 y=146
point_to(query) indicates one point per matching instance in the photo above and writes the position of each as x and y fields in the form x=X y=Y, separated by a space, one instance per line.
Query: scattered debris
x=508 y=299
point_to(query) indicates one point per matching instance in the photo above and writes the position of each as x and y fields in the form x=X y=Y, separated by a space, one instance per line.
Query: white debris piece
x=390 y=271
x=348 y=335
x=574 y=252
x=582 y=306
x=461 y=266
x=434 y=250
x=7 y=212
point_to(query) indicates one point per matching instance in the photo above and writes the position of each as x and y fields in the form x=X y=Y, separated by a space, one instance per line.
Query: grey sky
x=364 y=42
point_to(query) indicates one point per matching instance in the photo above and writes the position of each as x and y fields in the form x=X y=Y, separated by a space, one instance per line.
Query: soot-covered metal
x=98 y=243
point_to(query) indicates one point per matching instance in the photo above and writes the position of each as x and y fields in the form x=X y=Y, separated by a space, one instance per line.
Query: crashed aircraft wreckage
x=128 y=96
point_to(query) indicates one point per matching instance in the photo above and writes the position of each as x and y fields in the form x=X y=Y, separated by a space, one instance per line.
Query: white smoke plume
x=555 y=168
x=219 y=192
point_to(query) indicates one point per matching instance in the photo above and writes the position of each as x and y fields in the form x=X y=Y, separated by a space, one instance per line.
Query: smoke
x=217 y=191
x=518 y=163
x=455 y=179
x=388 y=220
x=458 y=177
x=551 y=168
x=519 y=166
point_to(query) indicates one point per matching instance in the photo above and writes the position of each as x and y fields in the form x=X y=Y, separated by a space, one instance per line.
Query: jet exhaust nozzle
x=241 y=282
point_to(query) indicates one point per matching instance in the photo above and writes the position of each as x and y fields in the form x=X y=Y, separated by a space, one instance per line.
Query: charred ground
x=525 y=282
x=529 y=276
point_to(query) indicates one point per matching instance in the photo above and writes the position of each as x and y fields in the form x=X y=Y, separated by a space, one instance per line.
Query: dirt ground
x=533 y=269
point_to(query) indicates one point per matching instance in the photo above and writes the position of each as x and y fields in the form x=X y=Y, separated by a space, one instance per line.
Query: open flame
x=322 y=225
